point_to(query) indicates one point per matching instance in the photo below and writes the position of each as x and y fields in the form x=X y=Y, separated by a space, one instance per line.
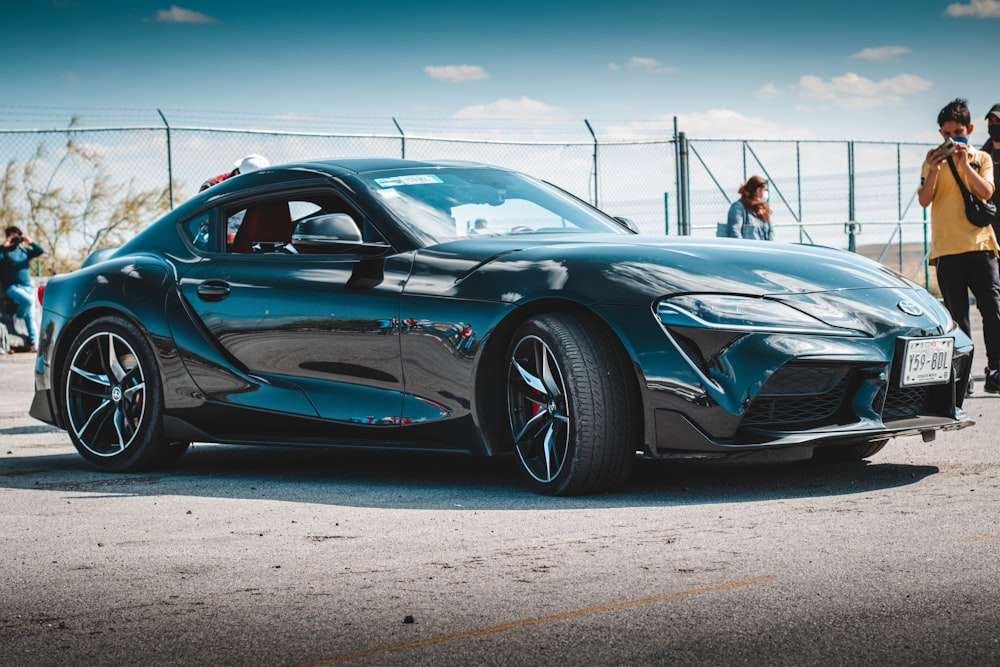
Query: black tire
x=847 y=453
x=111 y=392
x=572 y=413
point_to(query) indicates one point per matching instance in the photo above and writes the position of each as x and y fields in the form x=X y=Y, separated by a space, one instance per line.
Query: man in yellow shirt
x=965 y=255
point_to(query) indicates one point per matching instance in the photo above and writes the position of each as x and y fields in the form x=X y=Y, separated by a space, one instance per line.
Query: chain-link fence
x=94 y=186
x=855 y=195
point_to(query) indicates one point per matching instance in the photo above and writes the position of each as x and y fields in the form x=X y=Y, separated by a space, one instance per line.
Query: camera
x=947 y=148
x=16 y=241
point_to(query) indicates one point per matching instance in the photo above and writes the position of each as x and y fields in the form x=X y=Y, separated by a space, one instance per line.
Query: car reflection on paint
x=460 y=307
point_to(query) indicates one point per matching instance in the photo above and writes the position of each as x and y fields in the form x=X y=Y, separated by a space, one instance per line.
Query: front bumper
x=717 y=392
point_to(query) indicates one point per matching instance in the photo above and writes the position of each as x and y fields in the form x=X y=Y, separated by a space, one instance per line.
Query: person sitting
x=244 y=165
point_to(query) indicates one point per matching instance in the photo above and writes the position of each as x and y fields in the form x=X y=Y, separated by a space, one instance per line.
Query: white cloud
x=853 y=91
x=729 y=124
x=456 y=73
x=768 y=91
x=711 y=124
x=506 y=109
x=980 y=9
x=181 y=15
x=880 y=53
x=644 y=64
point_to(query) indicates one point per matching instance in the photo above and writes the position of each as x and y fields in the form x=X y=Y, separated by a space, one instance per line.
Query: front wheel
x=572 y=411
x=113 y=399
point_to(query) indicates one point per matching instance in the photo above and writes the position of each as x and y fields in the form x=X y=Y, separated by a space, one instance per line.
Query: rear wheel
x=846 y=453
x=571 y=411
x=113 y=398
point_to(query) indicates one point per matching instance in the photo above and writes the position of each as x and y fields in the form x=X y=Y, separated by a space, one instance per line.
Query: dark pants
x=975 y=271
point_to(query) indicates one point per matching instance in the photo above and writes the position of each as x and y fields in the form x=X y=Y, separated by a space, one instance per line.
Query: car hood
x=841 y=288
x=614 y=266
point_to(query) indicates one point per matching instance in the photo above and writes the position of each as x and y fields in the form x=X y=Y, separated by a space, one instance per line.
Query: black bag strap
x=958 y=179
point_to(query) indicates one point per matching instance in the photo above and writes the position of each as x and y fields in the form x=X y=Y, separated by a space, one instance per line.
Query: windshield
x=441 y=204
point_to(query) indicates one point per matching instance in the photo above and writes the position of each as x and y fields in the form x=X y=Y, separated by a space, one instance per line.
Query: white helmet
x=251 y=162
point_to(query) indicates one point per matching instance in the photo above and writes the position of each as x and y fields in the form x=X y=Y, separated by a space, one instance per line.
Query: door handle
x=213 y=290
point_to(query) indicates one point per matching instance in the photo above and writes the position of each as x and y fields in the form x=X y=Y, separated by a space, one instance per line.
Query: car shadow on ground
x=436 y=481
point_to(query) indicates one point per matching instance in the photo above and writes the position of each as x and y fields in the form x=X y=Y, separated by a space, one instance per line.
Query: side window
x=303 y=209
x=233 y=223
x=267 y=225
x=264 y=225
x=200 y=231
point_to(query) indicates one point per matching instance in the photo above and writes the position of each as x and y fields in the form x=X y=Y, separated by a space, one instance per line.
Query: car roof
x=334 y=167
x=359 y=165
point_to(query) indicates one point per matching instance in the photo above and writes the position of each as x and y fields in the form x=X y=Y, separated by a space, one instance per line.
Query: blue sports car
x=455 y=306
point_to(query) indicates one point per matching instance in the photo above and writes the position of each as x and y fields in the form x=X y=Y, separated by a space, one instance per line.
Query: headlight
x=742 y=313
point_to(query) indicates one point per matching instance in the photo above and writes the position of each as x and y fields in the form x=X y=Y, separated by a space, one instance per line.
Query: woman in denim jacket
x=750 y=216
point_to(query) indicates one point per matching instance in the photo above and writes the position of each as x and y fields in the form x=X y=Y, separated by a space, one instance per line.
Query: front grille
x=800 y=380
x=905 y=402
x=802 y=395
x=798 y=394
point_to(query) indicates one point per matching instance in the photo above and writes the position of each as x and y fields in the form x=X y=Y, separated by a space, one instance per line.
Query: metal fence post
x=798 y=177
x=852 y=226
x=899 y=184
x=594 y=137
x=170 y=160
x=666 y=213
x=402 y=138
x=683 y=187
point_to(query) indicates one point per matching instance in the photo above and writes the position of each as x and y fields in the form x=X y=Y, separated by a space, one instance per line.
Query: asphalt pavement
x=263 y=556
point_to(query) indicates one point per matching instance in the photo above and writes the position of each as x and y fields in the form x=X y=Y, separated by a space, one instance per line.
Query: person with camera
x=16 y=254
x=964 y=254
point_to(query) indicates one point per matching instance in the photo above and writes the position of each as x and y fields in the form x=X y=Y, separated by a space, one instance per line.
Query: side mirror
x=328 y=228
x=332 y=233
x=628 y=224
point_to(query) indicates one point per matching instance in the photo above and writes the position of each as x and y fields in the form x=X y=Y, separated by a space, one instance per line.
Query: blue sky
x=868 y=70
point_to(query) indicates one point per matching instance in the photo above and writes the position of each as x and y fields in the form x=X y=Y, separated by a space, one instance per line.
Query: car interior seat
x=264 y=222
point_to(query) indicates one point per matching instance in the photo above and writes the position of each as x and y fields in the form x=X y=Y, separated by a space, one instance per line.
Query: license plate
x=927 y=361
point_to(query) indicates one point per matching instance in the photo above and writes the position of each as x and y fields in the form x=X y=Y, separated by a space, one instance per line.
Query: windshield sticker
x=414 y=179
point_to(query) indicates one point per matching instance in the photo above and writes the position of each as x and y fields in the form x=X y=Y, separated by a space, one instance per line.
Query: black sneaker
x=992 y=384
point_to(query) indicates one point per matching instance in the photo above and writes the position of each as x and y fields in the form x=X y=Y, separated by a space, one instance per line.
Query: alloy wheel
x=105 y=394
x=538 y=409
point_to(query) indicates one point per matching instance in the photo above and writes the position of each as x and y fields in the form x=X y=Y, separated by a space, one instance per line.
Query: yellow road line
x=995 y=536
x=532 y=621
